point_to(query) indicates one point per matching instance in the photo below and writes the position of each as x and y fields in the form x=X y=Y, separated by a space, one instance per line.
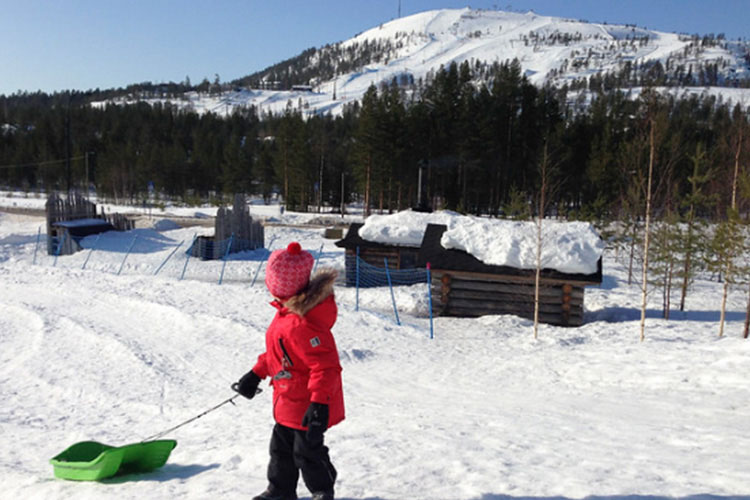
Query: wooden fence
x=235 y=223
x=75 y=207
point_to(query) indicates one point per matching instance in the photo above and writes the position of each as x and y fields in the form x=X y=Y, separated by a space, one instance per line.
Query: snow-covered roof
x=81 y=223
x=568 y=247
x=403 y=228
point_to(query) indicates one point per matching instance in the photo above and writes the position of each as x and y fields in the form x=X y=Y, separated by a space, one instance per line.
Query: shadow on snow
x=622 y=314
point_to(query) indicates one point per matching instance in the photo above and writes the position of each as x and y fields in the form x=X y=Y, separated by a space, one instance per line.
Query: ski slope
x=550 y=50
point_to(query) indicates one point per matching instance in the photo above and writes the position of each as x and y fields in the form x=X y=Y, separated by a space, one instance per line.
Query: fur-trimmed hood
x=316 y=291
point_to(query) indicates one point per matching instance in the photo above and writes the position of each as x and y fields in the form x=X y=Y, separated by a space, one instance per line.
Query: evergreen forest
x=447 y=142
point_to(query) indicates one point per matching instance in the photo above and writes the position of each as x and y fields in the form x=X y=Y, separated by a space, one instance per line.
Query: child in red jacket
x=302 y=360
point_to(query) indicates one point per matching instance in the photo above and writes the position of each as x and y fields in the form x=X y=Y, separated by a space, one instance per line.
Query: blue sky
x=84 y=44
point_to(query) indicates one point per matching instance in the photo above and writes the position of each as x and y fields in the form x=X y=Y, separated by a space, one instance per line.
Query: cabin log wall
x=457 y=293
x=398 y=258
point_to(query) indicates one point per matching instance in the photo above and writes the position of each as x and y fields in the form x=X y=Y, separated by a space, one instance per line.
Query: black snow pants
x=291 y=453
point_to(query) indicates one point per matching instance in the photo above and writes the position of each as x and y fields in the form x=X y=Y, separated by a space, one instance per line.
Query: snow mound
x=568 y=247
x=166 y=225
x=403 y=228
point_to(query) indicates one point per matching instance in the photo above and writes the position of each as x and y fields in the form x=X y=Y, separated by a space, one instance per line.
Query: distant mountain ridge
x=550 y=50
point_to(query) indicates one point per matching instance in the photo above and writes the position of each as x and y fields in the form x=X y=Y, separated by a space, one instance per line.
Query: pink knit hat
x=288 y=271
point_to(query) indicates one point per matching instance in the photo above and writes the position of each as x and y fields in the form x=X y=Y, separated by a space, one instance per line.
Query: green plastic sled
x=92 y=461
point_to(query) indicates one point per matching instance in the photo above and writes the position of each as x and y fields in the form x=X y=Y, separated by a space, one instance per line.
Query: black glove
x=248 y=385
x=316 y=421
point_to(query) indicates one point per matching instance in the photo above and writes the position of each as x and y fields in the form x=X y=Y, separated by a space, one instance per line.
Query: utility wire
x=41 y=163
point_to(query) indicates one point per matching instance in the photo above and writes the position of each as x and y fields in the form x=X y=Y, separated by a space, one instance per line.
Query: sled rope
x=229 y=400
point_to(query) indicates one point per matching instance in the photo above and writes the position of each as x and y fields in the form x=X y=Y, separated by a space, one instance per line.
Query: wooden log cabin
x=375 y=254
x=462 y=285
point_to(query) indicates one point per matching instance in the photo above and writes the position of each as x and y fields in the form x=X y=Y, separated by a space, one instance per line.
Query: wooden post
x=567 y=290
x=445 y=288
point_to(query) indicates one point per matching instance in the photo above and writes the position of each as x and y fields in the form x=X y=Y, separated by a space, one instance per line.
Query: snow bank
x=568 y=247
x=165 y=225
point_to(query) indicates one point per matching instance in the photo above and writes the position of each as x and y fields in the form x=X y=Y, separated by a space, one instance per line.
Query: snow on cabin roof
x=403 y=228
x=81 y=223
x=568 y=247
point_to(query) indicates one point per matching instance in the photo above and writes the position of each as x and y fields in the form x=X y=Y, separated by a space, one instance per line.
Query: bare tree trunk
x=389 y=201
x=668 y=291
x=537 y=275
x=540 y=218
x=632 y=254
x=737 y=154
x=644 y=284
x=286 y=177
x=747 y=318
x=320 y=182
x=463 y=189
x=688 y=259
x=723 y=313
x=367 y=187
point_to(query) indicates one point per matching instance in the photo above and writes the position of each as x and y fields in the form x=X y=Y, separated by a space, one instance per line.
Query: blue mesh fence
x=362 y=274
x=367 y=275
x=173 y=262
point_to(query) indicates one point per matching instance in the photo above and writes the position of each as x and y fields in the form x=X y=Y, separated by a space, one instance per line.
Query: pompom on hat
x=288 y=271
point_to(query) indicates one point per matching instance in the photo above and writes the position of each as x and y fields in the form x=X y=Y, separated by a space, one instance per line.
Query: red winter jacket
x=301 y=355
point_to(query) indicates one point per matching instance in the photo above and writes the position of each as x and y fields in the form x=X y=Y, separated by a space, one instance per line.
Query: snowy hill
x=550 y=50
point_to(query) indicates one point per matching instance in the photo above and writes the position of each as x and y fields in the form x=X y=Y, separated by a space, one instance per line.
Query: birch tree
x=647 y=223
x=543 y=167
x=657 y=121
x=547 y=190
x=729 y=240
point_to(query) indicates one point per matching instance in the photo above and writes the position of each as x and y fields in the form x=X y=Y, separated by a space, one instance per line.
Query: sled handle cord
x=228 y=400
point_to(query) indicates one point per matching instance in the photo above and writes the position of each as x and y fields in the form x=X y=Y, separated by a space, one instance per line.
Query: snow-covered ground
x=158 y=209
x=482 y=411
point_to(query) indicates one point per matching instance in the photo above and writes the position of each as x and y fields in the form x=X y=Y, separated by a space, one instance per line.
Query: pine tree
x=291 y=160
x=664 y=251
x=727 y=247
x=366 y=145
x=630 y=234
x=694 y=239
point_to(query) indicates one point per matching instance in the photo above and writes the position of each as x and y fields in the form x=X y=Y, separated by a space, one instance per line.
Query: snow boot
x=322 y=495
x=271 y=495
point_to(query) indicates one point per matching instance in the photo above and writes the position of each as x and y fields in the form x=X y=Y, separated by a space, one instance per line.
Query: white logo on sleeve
x=315 y=341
